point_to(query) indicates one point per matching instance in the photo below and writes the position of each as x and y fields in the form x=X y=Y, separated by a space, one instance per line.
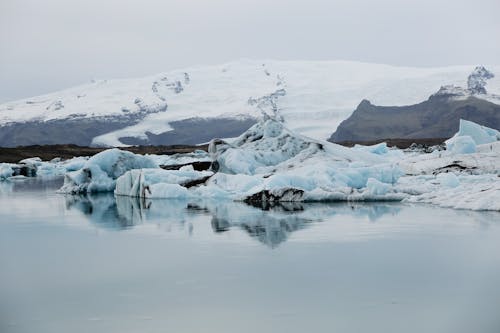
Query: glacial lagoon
x=103 y=264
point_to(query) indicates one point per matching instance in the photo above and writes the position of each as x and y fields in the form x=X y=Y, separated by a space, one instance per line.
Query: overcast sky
x=47 y=45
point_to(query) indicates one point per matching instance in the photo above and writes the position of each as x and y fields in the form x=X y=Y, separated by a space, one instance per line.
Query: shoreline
x=49 y=152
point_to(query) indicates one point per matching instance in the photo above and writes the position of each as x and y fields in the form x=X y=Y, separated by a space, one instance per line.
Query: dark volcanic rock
x=194 y=131
x=438 y=117
x=78 y=131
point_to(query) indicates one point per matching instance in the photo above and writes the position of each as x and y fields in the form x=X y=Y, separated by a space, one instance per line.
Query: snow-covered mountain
x=195 y=104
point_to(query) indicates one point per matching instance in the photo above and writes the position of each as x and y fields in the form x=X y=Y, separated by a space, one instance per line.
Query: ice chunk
x=375 y=187
x=100 y=172
x=479 y=134
x=75 y=163
x=32 y=161
x=6 y=170
x=469 y=135
x=461 y=145
x=380 y=148
x=270 y=145
x=476 y=192
x=159 y=183
x=448 y=179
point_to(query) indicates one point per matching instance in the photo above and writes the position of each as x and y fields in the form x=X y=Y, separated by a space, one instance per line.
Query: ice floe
x=469 y=136
x=100 y=172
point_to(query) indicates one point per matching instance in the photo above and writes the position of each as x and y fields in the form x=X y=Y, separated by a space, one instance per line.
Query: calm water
x=100 y=264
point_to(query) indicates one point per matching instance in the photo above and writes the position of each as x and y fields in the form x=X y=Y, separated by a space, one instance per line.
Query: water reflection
x=31 y=184
x=270 y=225
x=101 y=210
x=370 y=266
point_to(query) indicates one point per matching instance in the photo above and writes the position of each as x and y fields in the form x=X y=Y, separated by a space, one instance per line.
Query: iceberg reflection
x=270 y=225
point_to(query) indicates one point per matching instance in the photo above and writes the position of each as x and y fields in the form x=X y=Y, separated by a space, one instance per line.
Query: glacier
x=312 y=96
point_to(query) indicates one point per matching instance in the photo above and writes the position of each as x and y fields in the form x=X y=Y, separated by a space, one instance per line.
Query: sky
x=55 y=44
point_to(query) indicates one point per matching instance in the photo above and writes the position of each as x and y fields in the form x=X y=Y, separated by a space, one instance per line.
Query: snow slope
x=316 y=96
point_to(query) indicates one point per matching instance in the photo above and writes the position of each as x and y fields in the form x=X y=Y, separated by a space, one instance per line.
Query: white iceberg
x=159 y=183
x=6 y=170
x=469 y=136
x=271 y=163
x=100 y=172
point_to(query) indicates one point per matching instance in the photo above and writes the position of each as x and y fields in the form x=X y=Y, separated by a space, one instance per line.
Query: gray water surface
x=105 y=264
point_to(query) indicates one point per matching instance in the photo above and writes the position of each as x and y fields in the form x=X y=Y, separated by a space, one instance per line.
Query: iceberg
x=100 y=172
x=461 y=145
x=35 y=167
x=272 y=163
x=470 y=135
x=6 y=170
x=159 y=183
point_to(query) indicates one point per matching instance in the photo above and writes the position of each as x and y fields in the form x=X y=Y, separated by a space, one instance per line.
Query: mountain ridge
x=316 y=97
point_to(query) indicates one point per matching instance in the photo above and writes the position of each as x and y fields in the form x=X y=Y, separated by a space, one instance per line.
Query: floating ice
x=159 y=183
x=448 y=179
x=461 y=145
x=475 y=192
x=380 y=148
x=469 y=135
x=100 y=172
x=6 y=170
x=271 y=163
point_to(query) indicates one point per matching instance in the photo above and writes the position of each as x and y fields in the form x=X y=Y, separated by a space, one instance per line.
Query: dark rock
x=196 y=182
x=27 y=170
x=198 y=166
x=266 y=196
x=438 y=117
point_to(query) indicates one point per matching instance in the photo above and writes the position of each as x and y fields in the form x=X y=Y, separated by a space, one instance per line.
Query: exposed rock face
x=438 y=117
x=476 y=81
